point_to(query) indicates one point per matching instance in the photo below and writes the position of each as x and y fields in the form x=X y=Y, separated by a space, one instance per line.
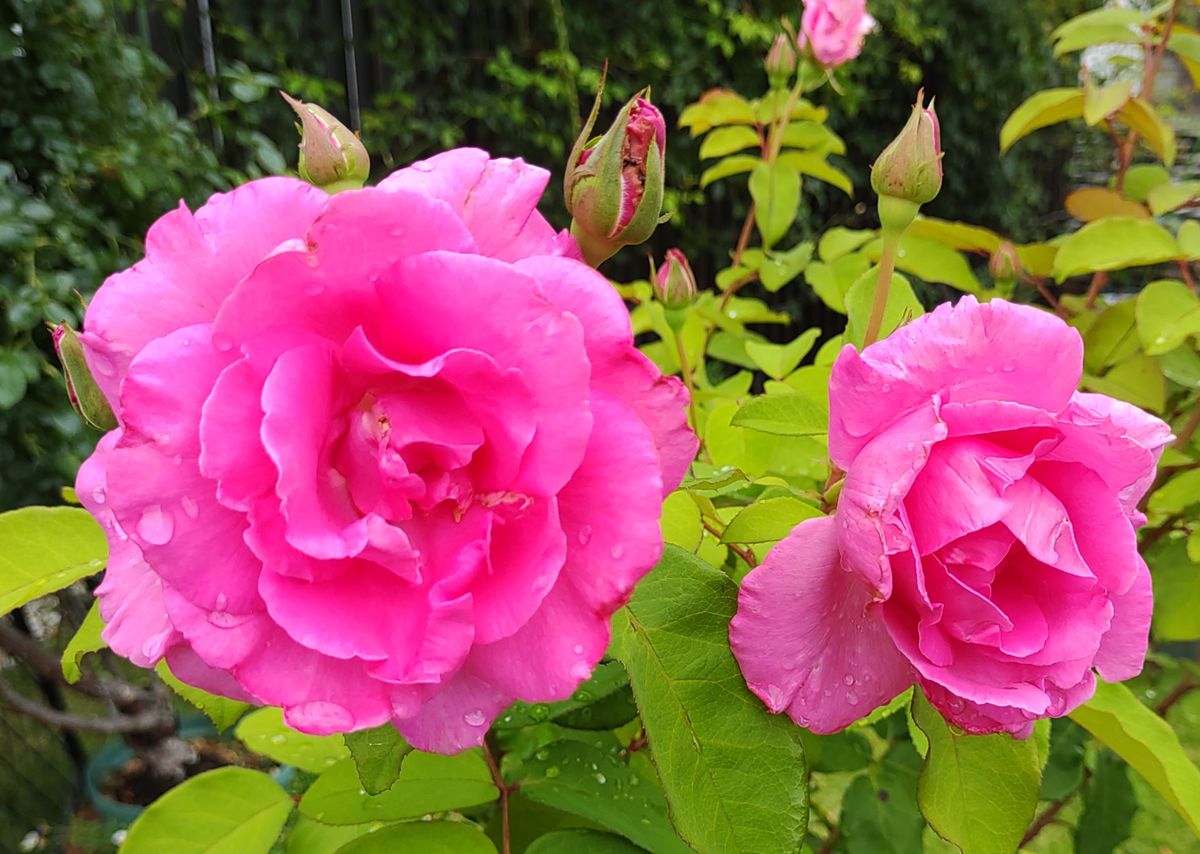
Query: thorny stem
x=505 y=790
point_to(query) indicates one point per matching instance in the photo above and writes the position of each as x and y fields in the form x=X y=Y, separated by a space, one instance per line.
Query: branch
x=742 y=552
x=140 y=722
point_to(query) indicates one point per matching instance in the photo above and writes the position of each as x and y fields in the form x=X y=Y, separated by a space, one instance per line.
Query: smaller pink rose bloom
x=834 y=30
x=983 y=545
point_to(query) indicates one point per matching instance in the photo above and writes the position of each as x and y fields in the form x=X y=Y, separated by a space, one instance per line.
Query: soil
x=130 y=784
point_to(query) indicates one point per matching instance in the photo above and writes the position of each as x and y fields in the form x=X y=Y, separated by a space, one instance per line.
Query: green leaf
x=1099 y=18
x=783 y=415
x=44 y=549
x=1041 y=110
x=727 y=140
x=225 y=811
x=1112 y=244
x=1099 y=104
x=680 y=521
x=1063 y=773
x=779 y=268
x=311 y=837
x=1181 y=365
x=1180 y=491
x=1109 y=804
x=1112 y=337
x=768 y=520
x=1189 y=240
x=831 y=282
x=86 y=639
x=1168 y=313
x=840 y=752
x=378 y=755
x=956 y=235
x=584 y=780
x=734 y=165
x=264 y=731
x=1152 y=130
x=813 y=136
x=427 y=783
x=839 y=241
x=902 y=306
x=931 y=261
x=779 y=360
x=582 y=841
x=733 y=773
x=717 y=107
x=978 y=792
x=608 y=678
x=1137 y=380
x=426 y=837
x=879 y=812
x=1176 y=592
x=1168 y=197
x=775 y=189
x=1096 y=34
x=1142 y=179
x=222 y=711
x=1144 y=740
x=809 y=163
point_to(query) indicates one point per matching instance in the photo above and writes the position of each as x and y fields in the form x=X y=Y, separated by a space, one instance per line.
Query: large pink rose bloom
x=834 y=30
x=983 y=544
x=387 y=455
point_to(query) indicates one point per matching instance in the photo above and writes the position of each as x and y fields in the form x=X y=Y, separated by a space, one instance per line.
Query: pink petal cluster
x=983 y=545
x=386 y=455
x=834 y=30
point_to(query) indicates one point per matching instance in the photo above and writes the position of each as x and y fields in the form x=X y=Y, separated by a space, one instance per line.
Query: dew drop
x=155 y=526
x=99 y=495
x=1009 y=366
x=153 y=646
x=847 y=680
x=315 y=289
x=226 y=620
x=222 y=343
x=851 y=698
x=475 y=717
x=190 y=507
x=885 y=388
x=581 y=670
x=775 y=697
x=552 y=771
x=617 y=551
x=577 y=649
x=542 y=755
x=222 y=602
x=585 y=535
x=601 y=779
x=278 y=739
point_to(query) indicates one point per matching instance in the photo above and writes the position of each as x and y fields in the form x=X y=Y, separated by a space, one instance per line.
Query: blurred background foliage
x=108 y=118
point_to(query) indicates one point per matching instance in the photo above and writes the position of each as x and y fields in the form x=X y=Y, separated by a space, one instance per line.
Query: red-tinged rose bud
x=909 y=171
x=614 y=184
x=781 y=61
x=82 y=390
x=674 y=283
x=1005 y=264
x=332 y=156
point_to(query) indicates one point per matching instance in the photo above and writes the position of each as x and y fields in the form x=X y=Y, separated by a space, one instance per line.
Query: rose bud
x=614 y=184
x=909 y=171
x=781 y=60
x=332 y=156
x=1005 y=264
x=674 y=283
x=82 y=390
x=834 y=30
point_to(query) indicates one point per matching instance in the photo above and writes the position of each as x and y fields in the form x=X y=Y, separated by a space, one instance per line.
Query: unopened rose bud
x=781 y=61
x=82 y=390
x=911 y=166
x=909 y=171
x=332 y=156
x=614 y=184
x=675 y=284
x=1005 y=264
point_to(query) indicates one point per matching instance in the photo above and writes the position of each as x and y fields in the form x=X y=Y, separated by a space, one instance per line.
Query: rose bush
x=367 y=450
x=834 y=30
x=983 y=544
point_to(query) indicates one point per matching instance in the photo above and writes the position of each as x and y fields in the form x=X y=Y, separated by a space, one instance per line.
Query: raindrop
x=422 y=166
x=278 y=739
x=222 y=343
x=852 y=698
x=885 y=388
x=98 y=494
x=155 y=526
x=552 y=771
x=581 y=670
x=226 y=620
x=542 y=755
x=315 y=289
x=222 y=602
x=585 y=535
x=601 y=779
x=189 y=506
x=1009 y=366
x=475 y=717
x=539 y=712
x=848 y=680
x=617 y=551
x=578 y=649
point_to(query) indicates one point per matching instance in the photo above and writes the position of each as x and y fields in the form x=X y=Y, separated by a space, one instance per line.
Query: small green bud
x=82 y=390
x=332 y=156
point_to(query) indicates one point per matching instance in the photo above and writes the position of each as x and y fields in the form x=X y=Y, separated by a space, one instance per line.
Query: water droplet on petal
x=190 y=507
x=852 y=698
x=585 y=535
x=1009 y=366
x=222 y=343
x=98 y=494
x=320 y=715
x=226 y=620
x=581 y=670
x=848 y=679
x=475 y=717
x=155 y=526
x=222 y=602
x=617 y=551
x=578 y=649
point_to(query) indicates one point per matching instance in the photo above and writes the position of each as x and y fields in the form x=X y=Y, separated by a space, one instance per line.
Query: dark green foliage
x=89 y=157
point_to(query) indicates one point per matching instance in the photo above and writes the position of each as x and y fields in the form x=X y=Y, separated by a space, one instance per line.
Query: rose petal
x=807 y=637
x=1122 y=651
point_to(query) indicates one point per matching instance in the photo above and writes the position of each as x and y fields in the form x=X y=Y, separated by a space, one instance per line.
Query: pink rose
x=983 y=544
x=387 y=455
x=834 y=30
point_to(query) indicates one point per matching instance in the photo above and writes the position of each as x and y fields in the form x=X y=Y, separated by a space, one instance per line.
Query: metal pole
x=351 y=64
x=210 y=71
